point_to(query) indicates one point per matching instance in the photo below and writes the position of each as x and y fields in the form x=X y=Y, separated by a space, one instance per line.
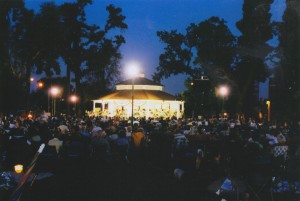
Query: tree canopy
x=210 y=49
x=45 y=41
x=207 y=47
x=286 y=80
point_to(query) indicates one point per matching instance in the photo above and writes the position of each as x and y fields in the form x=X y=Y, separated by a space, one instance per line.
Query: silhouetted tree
x=103 y=54
x=253 y=49
x=28 y=44
x=74 y=32
x=206 y=49
x=285 y=95
x=88 y=52
x=34 y=42
x=10 y=86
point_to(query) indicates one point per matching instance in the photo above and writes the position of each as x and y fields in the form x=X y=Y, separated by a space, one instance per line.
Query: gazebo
x=150 y=101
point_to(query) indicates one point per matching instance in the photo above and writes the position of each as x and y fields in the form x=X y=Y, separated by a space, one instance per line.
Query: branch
x=36 y=55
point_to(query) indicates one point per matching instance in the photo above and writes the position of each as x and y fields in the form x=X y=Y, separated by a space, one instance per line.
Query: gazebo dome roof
x=139 y=95
x=139 y=81
x=144 y=89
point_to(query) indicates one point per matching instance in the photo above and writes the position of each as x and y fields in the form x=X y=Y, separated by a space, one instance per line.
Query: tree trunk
x=242 y=94
x=27 y=85
x=79 y=93
x=68 y=86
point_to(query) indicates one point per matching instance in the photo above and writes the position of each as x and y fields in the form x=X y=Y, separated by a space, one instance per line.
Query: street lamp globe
x=54 y=91
x=40 y=84
x=224 y=91
x=74 y=98
x=132 y=69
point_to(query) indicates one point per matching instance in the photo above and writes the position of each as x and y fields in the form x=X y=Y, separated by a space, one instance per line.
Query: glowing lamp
x=54 y=91
x=223 y=90
x=73 y=98
x=29 y=116
x=133 y=69
x=40 y=85
x=269 y=110
x=31 y=79
x=18 y=168
x=260 y=115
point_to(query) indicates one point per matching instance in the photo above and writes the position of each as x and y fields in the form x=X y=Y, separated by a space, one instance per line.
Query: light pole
x=54 y=91
x=268 y=103
x=41 y=85
x=30 y=95
x=223 y=91
x=74 y=98
x=132 y=101
x=133 y=71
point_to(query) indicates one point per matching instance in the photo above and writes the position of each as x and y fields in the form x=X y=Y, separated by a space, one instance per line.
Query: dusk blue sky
x=145 y=17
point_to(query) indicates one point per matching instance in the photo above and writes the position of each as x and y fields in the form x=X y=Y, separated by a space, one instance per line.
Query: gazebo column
x=112 y=108
x=178 y=109
x=147 y=110
x=94 y=106
x=182 y=106
x=102 y=106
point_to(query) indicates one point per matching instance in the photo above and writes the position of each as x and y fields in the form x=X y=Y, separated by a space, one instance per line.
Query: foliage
x=253 y=49
x=10 y=79
x=28 y=45
x=208 y=46
x=103 y=54
x=206 y=49
x=90 y=52
x=210 y=49
x=36 y=43
x=287 y=75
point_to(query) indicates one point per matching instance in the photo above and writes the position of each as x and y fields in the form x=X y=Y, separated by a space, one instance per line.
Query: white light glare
x=132 y=69
x=224 y=90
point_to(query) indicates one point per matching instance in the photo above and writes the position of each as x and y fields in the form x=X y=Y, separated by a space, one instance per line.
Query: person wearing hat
x=56 y=142
x=63 y=128
x=136 y=151
x=137 y=135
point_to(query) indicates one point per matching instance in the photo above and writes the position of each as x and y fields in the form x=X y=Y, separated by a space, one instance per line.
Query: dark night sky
x=146 y=17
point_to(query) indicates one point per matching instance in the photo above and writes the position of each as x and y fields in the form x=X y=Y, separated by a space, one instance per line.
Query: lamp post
x=133 y=71
x=31 y=79
x=74 y=98
x=41 y=85
x=223 y=91
x=132 y=101
x=54 y=91
x=268 y=103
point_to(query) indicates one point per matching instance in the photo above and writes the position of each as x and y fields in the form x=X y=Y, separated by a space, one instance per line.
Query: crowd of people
x=219 y=156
